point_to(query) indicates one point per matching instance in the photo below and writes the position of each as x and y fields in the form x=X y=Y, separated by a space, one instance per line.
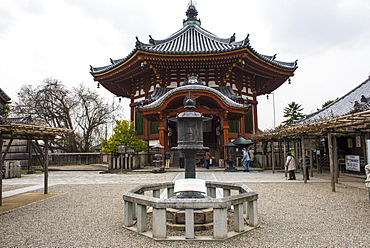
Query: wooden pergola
x=351 y=124
x=28 y=132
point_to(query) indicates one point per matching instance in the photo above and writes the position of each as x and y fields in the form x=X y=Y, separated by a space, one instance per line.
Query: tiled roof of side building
x=356 y=100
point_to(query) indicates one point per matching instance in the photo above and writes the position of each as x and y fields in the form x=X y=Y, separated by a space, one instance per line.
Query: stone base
x=203 y=219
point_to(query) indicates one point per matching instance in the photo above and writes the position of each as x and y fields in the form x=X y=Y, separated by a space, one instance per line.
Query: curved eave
x=222 y=99
x=102 y=71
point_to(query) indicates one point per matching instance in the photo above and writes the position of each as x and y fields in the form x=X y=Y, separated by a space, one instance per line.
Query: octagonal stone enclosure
x=237 y=199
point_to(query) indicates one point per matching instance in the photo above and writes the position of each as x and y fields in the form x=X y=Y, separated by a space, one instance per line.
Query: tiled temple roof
x=158 y=101
x=193 y=39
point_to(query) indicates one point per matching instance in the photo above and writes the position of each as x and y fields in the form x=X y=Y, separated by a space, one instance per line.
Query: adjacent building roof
x=356 y=100
x=349 y=114
x=4 y=98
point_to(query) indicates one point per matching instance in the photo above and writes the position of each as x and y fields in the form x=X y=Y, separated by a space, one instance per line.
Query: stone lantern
x=190 y=134
x=231 y=156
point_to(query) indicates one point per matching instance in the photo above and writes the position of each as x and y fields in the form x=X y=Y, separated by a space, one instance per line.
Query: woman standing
x=290 y=166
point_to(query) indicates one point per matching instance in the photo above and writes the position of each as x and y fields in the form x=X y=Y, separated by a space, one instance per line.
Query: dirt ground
x=13 y=202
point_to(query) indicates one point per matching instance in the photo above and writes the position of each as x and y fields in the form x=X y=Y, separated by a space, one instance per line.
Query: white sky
x=40 y=39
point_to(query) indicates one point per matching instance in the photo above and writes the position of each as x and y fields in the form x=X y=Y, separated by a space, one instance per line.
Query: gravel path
x=290 y=215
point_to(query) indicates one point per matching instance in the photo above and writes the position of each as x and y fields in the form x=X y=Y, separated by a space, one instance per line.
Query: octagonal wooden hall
x=224 y=75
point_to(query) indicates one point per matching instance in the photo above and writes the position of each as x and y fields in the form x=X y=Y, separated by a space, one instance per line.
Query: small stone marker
x=190 y=185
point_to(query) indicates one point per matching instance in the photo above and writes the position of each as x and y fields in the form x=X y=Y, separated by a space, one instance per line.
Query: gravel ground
x=290 y=215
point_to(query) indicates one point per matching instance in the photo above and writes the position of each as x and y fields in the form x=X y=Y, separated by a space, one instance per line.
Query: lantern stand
x=121 y=150
x=231 y=157
x=158 y=162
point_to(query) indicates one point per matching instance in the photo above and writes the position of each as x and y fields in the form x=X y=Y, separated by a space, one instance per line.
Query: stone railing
x=244 y=203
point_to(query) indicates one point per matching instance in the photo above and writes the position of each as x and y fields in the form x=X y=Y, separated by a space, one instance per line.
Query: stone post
x=238 y=217
x=141 y=218
x=219 y=223
x=128 y=218
x=189 y=223
x=252 y=213
x=159 y=223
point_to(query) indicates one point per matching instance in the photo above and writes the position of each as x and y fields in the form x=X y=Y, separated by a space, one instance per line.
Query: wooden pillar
x=311 y=158
x=363 y=146
x=46 y=165
x=303 y=161
x=273 y=156
x=225 y=134
x=331 y=159
x=295 y=147
x=254 y=117
x=263 y=155
x=162 y=130
x=285 y=153
x=335 y=159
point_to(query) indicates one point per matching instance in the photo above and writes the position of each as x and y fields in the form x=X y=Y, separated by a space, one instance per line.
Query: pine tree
x=292 y=112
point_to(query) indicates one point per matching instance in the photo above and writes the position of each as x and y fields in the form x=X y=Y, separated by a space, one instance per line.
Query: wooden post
x=331 y=159
x=273 y=156
x=335 y=159
x=295 y=151
x=225 y=132
x=303 y=161
x=363 y=145
x=311 y=159
x=46 y=165
x=263 y=155
x=285 y=152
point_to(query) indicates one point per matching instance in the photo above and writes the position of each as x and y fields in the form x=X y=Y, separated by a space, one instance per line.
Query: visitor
x=167 y=157
x=207 y=159
x=181 y=159
x=290 y=166
x=246 y=160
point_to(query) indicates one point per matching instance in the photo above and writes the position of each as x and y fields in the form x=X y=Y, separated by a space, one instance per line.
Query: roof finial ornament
x=138 y=42
x=151 y=40
x=232 y=39
x=189 y=101
x=192 y=14
x=246 y=41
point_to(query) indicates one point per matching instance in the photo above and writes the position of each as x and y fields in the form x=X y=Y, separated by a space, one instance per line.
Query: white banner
x=353 y=162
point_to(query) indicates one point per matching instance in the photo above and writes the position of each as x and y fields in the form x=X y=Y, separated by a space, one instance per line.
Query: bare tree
x=54 y=105
x=91 y=114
